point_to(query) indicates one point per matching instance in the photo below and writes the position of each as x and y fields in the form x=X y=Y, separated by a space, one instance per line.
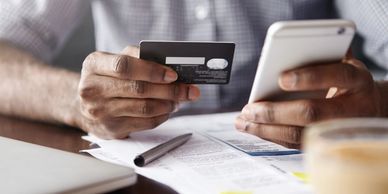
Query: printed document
x=207 y=163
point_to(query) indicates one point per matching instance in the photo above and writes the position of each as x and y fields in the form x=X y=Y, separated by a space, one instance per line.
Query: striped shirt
x=42 y=27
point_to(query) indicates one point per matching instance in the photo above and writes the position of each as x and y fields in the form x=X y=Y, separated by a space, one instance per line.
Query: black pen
x=159 y=150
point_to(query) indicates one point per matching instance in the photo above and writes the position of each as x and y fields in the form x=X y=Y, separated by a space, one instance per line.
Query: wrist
x=72 y=116
x=69 y=113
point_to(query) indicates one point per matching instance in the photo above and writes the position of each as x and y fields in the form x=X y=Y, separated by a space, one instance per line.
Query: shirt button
x=201 y=12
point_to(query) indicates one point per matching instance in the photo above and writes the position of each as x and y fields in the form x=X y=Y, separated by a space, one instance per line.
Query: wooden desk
x=68 y=139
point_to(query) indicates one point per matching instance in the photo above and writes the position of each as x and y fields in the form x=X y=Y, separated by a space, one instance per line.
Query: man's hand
x=357 y=95
x=119 y=94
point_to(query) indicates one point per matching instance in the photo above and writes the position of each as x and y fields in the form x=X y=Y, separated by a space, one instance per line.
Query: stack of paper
x=206 y=164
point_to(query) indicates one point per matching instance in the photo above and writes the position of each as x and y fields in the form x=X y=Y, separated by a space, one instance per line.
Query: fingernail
x=288 y=80
x=170 y=76
x=193 y=93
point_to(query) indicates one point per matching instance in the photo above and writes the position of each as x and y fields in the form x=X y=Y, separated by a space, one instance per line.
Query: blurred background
x=81 y=42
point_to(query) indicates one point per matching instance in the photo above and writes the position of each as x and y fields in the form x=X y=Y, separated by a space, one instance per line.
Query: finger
x=299 y=112
x=355 y=62
x=118 y=128
x=131 y=51
x=139 y=107
x=126 y=67
x=320 y=77
x=107 y=87
x=280 y=133
x=120 y=107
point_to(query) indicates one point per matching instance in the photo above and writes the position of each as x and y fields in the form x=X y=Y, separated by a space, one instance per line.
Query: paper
x=203 y=164
x=249 y=144
x=223 y=130
x=284 y=163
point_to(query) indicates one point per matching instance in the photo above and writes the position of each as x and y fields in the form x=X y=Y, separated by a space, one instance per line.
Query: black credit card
x=195 y=62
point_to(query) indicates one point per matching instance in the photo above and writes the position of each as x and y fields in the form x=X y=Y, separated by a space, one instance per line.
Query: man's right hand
x=119 y=94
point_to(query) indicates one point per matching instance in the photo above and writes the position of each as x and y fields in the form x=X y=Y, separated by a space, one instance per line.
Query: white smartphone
x=292 y=44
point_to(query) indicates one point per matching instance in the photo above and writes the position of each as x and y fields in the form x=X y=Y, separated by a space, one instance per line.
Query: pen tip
x=139 y=161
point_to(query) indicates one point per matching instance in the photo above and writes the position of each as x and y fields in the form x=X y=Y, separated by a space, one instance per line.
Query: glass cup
x=348 y=156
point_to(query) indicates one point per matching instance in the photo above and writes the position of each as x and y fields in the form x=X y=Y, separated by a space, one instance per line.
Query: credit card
x=194 y=62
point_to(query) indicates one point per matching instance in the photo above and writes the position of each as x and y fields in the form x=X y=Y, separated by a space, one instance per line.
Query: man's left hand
x=282 y=122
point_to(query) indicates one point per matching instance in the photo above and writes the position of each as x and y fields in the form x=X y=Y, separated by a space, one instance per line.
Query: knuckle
x=137 y=87
x=120 y=64
x=90 y=60
x=310 y=112
x=294 y=134
x=146 y=107
x=307 y=76
x=267 y=113
x=175 y=91
x=95 y=112
x=87 y=91
x=156 y=73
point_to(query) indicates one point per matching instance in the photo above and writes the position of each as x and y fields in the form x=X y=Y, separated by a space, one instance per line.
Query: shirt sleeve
x=40 y=26
x=371 y=18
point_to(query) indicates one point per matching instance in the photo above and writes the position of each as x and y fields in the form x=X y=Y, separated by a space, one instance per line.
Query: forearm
x=31 y=89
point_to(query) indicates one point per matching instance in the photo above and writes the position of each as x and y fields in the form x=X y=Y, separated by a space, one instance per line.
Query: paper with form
x=204 y=164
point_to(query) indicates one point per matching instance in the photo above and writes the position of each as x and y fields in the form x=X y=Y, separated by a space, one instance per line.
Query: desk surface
x=68 y=139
